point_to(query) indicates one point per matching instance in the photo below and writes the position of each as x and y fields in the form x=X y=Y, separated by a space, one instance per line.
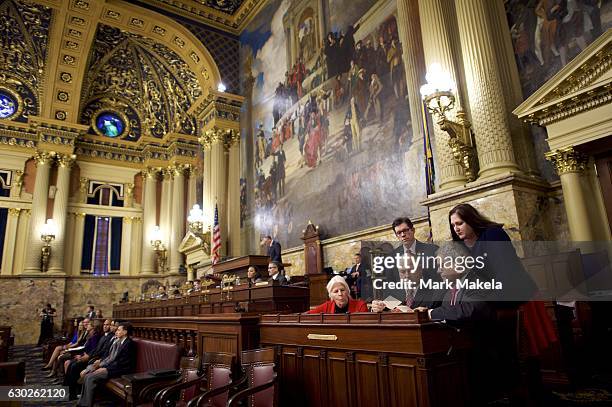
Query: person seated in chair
x=120 y=360
x=253 y=276
x=276 y=273
x=340 y=301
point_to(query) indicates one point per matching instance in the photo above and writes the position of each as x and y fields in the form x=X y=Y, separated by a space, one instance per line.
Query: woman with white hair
x=340 y=301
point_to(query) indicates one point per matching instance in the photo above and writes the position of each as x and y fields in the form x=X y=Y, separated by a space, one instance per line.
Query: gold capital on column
x=206 y=139
x=232 y=137
x=65 y=160
x=567 y=160
x=14 y=211
x=43 y=157
x=150 y=172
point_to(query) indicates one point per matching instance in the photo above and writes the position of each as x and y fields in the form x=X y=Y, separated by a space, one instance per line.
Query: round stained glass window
x=110 y=124
x=8 y=105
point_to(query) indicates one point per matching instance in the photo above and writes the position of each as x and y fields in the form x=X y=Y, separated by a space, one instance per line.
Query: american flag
x=216 y=238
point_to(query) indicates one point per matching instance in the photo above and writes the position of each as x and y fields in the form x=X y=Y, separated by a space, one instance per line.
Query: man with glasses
x=426 y=270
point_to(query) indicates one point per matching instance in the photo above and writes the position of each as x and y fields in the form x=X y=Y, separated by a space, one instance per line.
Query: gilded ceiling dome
x=139 y=82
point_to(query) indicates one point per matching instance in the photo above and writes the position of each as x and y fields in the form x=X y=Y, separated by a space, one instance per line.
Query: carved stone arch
x=76 y=23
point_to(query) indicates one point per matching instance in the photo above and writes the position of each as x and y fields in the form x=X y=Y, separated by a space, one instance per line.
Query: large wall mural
x=329 y=117
x=547 y=34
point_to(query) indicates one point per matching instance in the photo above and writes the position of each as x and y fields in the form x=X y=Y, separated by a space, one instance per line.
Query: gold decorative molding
x=14 y=211
x=150 y=172
x=43 y=157
x=567 y=160
x=580 y=86
x=65 y=160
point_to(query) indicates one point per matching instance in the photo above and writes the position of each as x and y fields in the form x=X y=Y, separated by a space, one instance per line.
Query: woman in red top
x=340 y=301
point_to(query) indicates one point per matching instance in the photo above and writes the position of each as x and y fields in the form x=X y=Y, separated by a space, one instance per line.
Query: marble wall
x=21 y=301
x=23 y=297
x=338 y=252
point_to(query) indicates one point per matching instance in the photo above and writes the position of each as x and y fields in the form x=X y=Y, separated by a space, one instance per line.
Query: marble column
x=8 y=251
x=77 y=253
x=441 y=45
x=524 y=150
x=177 y=228
x=23 y=238
x=126 y=242
x=409 y=30
x=218 y=185
x=60 y=205
x=135 y=246
x=208 y=205
x=165 y=209
x=192 y=197
x=490 y=119
x=39 y=212
x=571 y=165
x=69 y=242
x=149 y=209
x=233 y=195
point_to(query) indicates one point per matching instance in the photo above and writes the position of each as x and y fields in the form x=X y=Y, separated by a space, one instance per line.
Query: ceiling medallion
x=112 y=123
x=11 y=104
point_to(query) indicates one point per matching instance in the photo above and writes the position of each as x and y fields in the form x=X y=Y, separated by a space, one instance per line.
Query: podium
x=367 y=359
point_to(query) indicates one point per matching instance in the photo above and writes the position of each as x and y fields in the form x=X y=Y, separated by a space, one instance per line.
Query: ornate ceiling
x=111 y=79
x=24 y=37
x=228 y=15
x=141 y=78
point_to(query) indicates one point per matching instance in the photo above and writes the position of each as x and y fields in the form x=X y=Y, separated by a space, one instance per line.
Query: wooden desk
x=267 y=298
x=230 y=333
x=239 y=265
x=366 y=360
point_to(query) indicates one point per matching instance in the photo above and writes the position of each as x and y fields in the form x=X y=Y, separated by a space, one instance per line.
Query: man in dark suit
x=90 y=312
x=121 y=360
x=274 y=249
x=77 y=365
x=357 y=276
x=427 y=270
x=275 y=271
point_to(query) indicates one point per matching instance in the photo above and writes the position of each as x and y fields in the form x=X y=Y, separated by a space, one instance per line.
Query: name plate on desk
x=322 y=337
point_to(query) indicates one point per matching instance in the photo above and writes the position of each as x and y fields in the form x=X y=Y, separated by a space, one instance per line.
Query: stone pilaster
x=233 y=195
x=39 y=211
x=60 y=205
x=149 y=209
x=129 y=195
x=165 y=209
x=571 y=166
x=441 y=45
x=218 y=185
x=77 y=253
x=126 y=241
x=8 y=251
x=192 y=197
x=83 y=187
x=409 y=30
x=136 y=246
x=177 y=228
x=490 y=117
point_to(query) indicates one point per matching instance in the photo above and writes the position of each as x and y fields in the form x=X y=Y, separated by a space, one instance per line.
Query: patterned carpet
x=32 y=355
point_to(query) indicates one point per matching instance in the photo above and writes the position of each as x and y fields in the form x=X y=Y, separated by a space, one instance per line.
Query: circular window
x=110 y=124
x=8 y=105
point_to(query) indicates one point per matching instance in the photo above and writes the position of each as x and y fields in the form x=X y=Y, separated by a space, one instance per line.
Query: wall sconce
x=195 y=222
x=47 y=235
x=159 y=248
x=438 y=94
